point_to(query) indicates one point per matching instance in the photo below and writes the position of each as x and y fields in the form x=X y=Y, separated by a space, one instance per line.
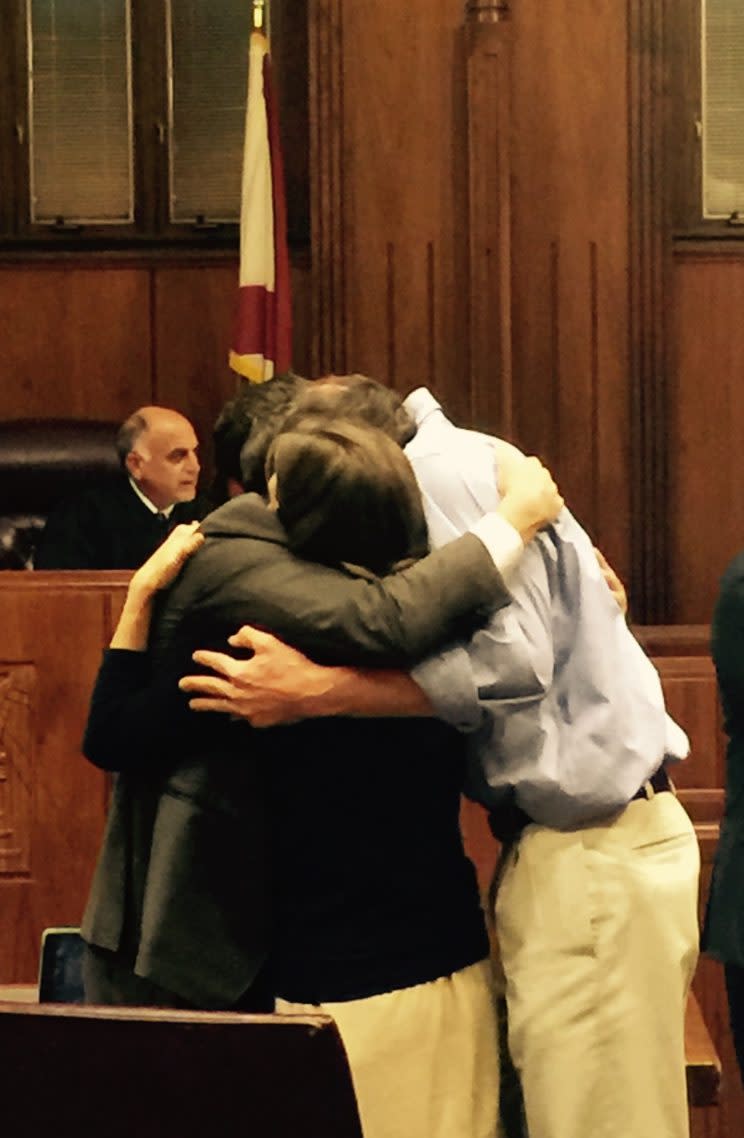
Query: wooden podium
x=52 y=802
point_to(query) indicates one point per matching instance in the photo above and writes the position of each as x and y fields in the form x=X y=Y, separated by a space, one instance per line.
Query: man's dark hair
x=359 y=399
x=127 y=436
x=247 y=424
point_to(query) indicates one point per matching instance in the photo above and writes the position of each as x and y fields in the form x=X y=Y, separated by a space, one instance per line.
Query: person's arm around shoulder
x=455 y=588
x=279 y=684
x=159 y=571
x=125 y=708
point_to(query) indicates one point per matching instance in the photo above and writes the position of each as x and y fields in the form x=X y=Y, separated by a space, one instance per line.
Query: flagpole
x=261 y=342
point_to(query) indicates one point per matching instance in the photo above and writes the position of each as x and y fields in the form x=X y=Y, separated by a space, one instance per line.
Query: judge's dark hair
x=127 y=436
x=244 y=429
x=346 y=493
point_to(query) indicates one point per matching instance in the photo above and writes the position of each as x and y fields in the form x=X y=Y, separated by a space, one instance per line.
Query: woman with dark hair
x=346 y=494
x=328 y=850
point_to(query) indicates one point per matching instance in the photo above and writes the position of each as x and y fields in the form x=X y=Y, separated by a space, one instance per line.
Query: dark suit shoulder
x=192 y=511
x=733 y=574
x=245 y=516
x=729 y=605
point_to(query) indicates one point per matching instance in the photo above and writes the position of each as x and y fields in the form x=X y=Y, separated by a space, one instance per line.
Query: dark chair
x=152 y=1073
x=43 y=461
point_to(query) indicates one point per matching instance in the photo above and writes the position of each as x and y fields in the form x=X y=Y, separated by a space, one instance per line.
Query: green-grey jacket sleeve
x=332 y=616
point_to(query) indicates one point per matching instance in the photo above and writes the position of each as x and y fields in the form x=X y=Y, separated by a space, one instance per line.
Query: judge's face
x=163 y=461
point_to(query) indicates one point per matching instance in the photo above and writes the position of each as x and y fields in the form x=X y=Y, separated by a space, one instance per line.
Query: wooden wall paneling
x=289 y=59
x=648 y=257
x=328 y=313
x=570 y=224
x=75 y=340
x=682 y=656
x=407 y=236
x=489 y=82
x=692 y=699
x=52 y=803
x=193 y=308
x=706 y=427
x=302 y=317
x=390 y=229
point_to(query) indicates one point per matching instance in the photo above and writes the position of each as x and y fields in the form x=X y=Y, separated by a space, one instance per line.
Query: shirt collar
x=146 y=501
x=420 y=404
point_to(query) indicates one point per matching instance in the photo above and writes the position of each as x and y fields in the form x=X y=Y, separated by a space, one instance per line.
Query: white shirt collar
x=420 y=404
x=146 y=501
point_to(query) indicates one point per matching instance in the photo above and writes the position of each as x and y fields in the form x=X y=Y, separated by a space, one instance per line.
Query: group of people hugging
x=386 y=611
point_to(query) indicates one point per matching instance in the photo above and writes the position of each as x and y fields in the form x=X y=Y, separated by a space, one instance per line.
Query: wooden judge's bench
x=53 y=803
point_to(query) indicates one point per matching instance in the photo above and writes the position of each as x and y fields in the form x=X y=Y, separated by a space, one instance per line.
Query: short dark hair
x=359 y=399
x=346 y=493
x=127 y=436
x=249 y=421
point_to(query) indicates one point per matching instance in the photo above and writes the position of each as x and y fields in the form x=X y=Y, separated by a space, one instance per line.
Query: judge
x=119 y=523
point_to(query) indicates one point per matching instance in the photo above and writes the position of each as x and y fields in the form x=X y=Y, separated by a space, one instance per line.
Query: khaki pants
x=598 y=938
x=424 y=1060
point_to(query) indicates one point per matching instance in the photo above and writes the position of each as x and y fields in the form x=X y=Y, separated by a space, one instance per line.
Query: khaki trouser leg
x=598 y=938
x=424 y=1060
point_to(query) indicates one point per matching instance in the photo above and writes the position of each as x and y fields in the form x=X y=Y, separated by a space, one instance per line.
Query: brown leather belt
x=659 y=782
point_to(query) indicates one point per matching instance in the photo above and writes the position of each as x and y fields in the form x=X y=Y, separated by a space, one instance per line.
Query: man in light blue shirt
x=596 y=903
x=565 y=708
x=596 y=906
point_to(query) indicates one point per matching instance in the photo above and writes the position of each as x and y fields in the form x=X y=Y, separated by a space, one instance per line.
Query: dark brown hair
x=361 y=400
x=244 y=430
x=346 y=493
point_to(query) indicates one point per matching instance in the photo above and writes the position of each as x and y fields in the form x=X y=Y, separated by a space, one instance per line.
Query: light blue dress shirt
x=561 y=703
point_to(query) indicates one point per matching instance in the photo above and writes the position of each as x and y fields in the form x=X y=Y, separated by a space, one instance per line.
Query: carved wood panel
x=17 y=692
x=52 y=803
x=705 y=424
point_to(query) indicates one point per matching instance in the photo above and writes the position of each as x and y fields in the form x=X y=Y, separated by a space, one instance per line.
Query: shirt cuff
x=501 y=540
x=447 y=680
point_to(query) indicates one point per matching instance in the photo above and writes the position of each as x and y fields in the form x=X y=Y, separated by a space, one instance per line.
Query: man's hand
x=280 y=685
x=277 y=685
x=530 y=497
